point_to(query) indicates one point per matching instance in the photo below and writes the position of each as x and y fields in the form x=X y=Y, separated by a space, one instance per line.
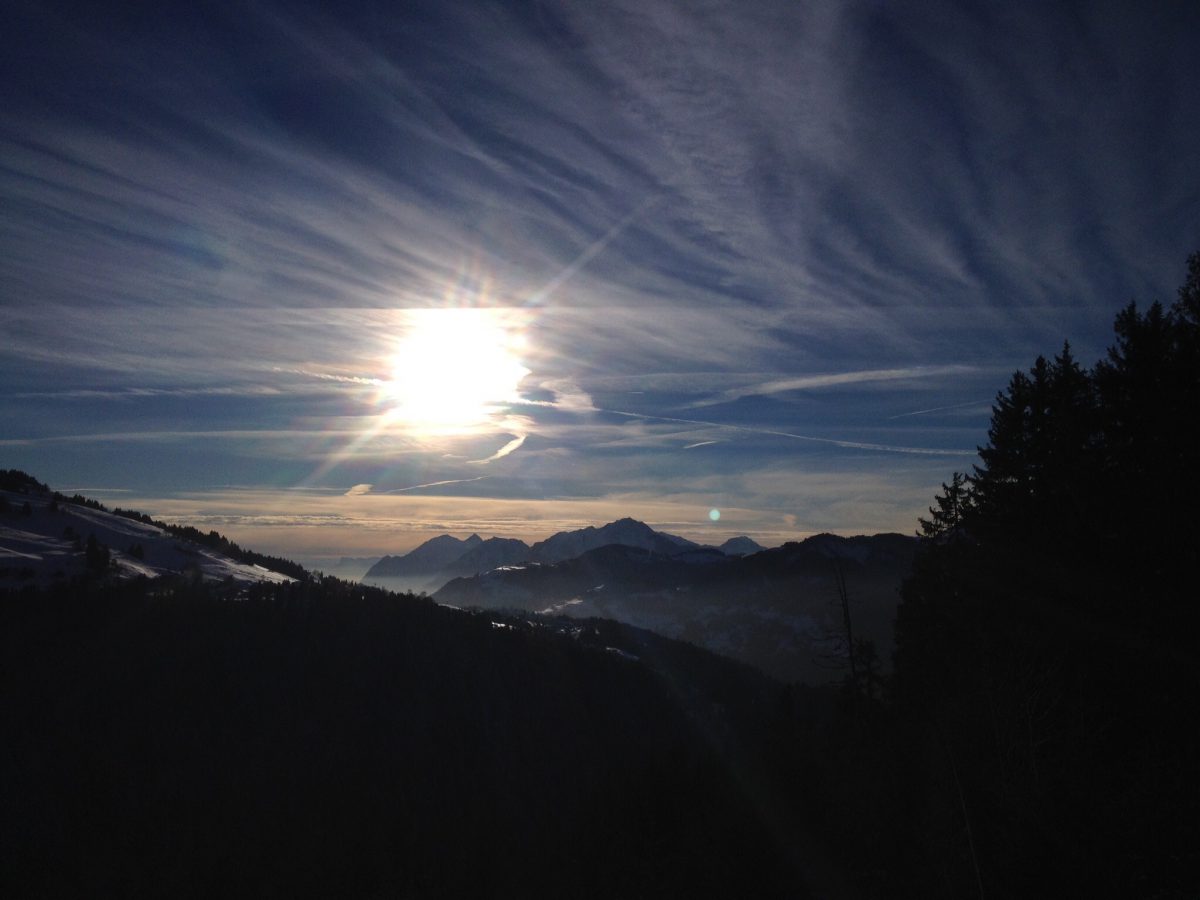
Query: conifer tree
x=1057 y=644
x=953 y=506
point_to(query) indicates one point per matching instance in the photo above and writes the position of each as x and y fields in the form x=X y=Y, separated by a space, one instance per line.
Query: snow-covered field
x=49 y=543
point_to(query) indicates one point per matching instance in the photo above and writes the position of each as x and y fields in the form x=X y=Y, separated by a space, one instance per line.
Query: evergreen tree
x=1040 y=450
x=1053 y=651
x=1187 y=306
x=96 y=554
x=953 y=506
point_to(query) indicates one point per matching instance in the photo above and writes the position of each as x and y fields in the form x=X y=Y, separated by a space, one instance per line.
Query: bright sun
x=453 y=369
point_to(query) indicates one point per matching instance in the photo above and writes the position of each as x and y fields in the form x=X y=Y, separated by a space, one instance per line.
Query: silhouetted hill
x=490 y=554
x=427 y=559
x=740 y=546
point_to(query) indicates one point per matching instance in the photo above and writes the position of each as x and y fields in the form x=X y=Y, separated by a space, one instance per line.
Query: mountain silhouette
x=490 y=554
x=624 y=532
x=442 y=558
x=740 y=546
x=428 y=558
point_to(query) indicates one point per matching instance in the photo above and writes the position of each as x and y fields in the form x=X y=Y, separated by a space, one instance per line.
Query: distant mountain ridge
x=623 y=532
x=430 y=557
x=490 y=554
x=740 y=546
x=438 y=560
x=776 y=609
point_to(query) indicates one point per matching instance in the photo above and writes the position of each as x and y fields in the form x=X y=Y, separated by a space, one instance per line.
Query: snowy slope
x=49 y=542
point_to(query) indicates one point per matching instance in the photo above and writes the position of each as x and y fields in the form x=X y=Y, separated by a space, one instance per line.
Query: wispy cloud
x=877 y=211
x=835 y=379
x=504 y=451
x=132 y=393
x=121 y=437
x=835 y=442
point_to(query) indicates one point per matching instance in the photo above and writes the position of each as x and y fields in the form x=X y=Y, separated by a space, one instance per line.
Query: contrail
x=328 y=376
x=921 y=412
x=807 y=382
x=746 y=429
x=417 y=487
x=591 y=252
x=852 y=445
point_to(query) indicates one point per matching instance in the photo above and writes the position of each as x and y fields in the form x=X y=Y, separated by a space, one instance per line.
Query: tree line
x=1037 y=738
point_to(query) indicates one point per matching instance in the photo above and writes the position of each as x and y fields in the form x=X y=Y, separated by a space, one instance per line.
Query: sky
x=333 y=279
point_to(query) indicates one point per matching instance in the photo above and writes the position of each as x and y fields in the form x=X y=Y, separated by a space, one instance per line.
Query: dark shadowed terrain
x=318 y=738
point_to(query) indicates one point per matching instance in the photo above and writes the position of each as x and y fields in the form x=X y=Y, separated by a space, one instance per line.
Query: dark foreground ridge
x=319 y=738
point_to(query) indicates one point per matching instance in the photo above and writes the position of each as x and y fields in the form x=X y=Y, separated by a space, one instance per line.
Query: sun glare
x=454 y=369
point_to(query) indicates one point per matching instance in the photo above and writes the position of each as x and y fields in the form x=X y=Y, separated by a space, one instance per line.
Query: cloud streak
x=432 y=484
x=834 y=442
x=972 y=405
x=837 y=379
x=504 y=451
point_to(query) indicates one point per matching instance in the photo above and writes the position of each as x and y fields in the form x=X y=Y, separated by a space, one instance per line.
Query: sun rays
x=454 y=370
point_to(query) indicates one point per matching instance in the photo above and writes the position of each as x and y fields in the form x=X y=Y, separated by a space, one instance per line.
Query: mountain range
x=778 y=609
x=440 y=559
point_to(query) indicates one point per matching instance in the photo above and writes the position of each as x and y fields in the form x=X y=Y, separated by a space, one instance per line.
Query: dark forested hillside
x=1047 y=636
x=320 y=738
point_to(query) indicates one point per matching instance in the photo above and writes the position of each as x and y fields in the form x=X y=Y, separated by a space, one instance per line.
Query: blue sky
x=771 y=259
